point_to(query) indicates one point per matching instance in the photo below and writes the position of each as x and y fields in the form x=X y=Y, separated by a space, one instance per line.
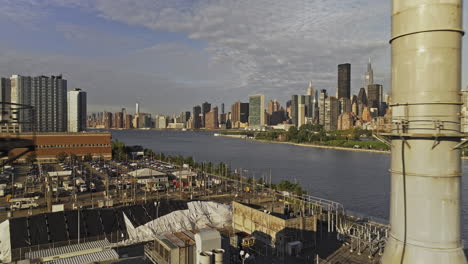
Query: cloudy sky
x=173 y=54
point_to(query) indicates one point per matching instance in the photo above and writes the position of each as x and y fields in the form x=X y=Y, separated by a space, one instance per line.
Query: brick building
x=48 y=145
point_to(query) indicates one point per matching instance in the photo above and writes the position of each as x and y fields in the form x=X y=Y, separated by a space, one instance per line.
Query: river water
x=358 y=180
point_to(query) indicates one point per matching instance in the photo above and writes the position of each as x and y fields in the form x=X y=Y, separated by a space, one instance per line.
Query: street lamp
x=244 y=255
x=156 y=204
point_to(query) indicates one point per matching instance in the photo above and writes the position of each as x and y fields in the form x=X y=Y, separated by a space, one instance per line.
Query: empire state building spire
x=369 y=76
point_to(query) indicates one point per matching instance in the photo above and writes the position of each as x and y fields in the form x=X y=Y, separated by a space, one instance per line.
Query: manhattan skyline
x=170 y=54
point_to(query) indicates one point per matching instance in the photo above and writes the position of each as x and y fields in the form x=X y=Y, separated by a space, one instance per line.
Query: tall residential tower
x=77 y=112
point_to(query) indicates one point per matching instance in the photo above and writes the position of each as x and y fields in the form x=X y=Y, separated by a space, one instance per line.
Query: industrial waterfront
x=359 y=180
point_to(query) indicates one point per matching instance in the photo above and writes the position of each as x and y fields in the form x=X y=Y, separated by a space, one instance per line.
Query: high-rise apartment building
x=160 y=122
x=21 y=94
x=256 y=110
x=345 y=105
x=128 y=121
x=196 y=119
x=119 y=120
x=211 y=120
x=77 y=110
x=108 y=120
x=344 y=81
x=5 y=97
x=49 y=99
x=332 y=109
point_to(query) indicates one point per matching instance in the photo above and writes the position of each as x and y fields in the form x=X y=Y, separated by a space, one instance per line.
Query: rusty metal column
x=426 y=165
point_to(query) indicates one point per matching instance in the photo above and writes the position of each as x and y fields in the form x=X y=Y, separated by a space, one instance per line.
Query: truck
x=83 y=188
x=79 y=181
x=3 y=188
x=23 y=203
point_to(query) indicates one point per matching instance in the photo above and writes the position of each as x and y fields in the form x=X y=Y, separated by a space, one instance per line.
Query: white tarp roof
x=200 y=214
x=146 y=173
x=184 y=174
x=60 y=173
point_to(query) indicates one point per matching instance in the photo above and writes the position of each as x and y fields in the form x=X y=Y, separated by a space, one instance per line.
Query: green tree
x=119 y=150
x=61 y=157
x=292 y=133
x=189 y=161
x=149 y=153
x=88 y=157
x=73 y=157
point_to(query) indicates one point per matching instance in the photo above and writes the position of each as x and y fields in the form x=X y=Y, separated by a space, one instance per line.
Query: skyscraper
x=273 y=106
x=197 y=123
x=119 y=119
x=21 y=94
x=239 y=113
x=77 y=111
x=361 y=101
x=310 y=89
x=107 y=120
x=206 y=107
x=257 y=110
x=369 y=76
x=345 y=105
x=212 y=119
x=49 y=99
x=311 y=104
x=331 y=113
x=301 y=113
x=160 y=122
x=5 y=97
x=344 y=81
x=323 y=96
x=294 y=110
x=374 y=95
x=298 y=110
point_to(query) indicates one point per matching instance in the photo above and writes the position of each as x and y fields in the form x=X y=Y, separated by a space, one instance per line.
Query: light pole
x=156 y=204
x=244 y=255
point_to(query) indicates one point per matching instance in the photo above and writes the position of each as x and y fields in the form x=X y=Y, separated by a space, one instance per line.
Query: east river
x=358 y=180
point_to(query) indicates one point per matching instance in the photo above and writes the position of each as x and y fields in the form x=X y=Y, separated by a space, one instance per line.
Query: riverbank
x=314 y=145
x=309 y=145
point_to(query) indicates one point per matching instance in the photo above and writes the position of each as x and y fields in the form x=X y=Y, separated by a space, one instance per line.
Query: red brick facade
x=48 y=145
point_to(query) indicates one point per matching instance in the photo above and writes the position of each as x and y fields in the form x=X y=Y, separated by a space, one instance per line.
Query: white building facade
x=77 y=111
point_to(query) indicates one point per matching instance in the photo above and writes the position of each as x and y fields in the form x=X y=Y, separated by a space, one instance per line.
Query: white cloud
x=273 y=44
x=272 y=47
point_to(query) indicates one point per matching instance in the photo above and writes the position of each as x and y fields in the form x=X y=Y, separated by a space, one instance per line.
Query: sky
x=171 y=55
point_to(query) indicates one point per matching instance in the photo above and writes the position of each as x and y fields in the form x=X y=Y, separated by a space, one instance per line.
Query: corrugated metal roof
x=88 y=258
x=67 y=249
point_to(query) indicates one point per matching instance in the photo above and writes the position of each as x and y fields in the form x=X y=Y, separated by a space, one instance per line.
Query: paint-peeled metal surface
x=426 y=170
